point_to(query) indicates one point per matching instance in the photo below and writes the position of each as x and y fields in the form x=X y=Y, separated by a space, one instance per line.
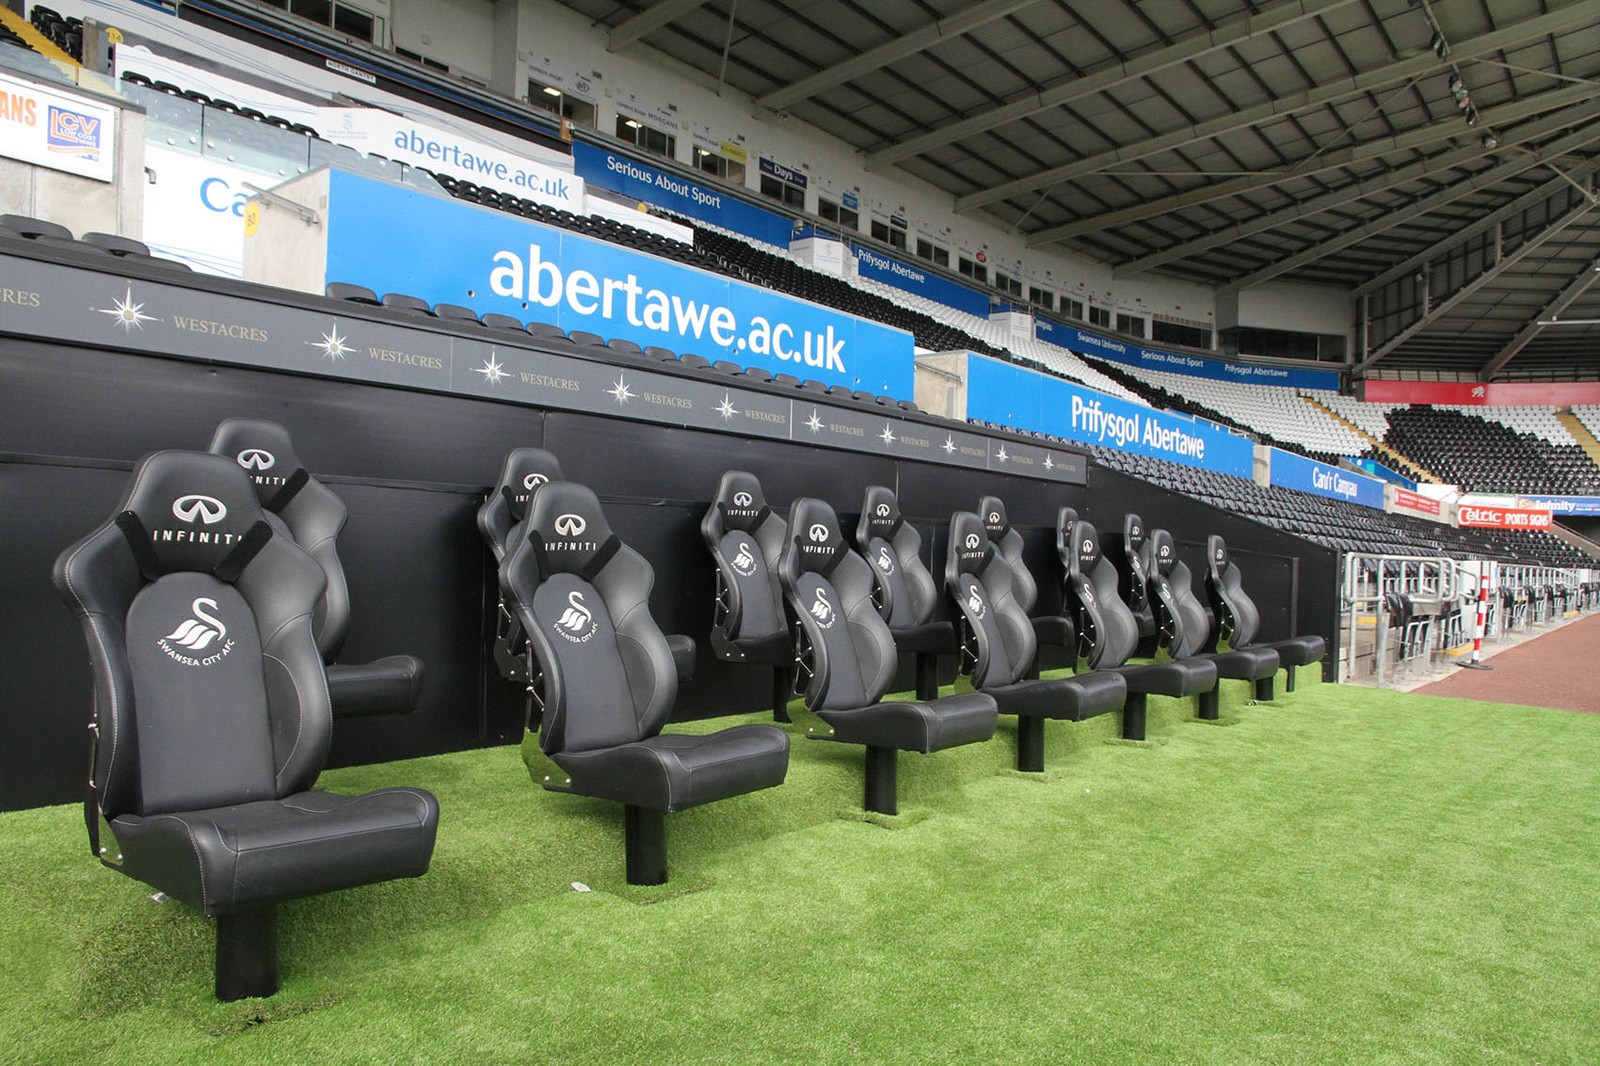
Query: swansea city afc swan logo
x=577 y=622
x=822 y=610
x=744 y=561
x=200 y=639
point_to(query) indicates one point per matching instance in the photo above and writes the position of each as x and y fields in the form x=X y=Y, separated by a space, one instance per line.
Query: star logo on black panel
x=949 y=445
x=1048 y=463
x=814 y=423
x=127 y=314
x=332 y=346
x=492 y=370
x=620 y=390
x=887 y=436
x=726 y=408
x=1003 y=457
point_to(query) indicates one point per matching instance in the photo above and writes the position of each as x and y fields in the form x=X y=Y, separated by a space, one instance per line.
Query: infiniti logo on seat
x=533 y=481
x=257 y=459
x=742 y=499
x=883 y=510
x=207 y=510
x=570 y=525
x=972 y=540
x=819 y=532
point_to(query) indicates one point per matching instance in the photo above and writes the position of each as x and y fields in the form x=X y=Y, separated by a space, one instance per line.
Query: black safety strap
x=227 y=570
x=588 y=572
x=288 y=491
x=754 y=524
x=138 y=538
x=835 y=556
x=233 y=564
x=517 y=508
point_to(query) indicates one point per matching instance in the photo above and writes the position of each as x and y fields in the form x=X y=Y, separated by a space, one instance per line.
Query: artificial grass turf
x=1342 y=876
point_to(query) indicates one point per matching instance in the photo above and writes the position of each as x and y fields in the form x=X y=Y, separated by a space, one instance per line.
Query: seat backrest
x=208 y=686
x=1107 y=631
x=1065 y=516
x=746 y=539
x=982 y=588
x=308 y=510
x=1238 y=619
x=1008 y=542
x=829 y=589
x=583 y=598
x=524 y=470
x=1183 y=620
x=906 y=591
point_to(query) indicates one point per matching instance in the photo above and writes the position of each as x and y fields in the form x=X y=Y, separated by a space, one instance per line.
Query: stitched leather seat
x=907 y=595
x=502 y=510
x=1238 y=619
x=607 y=681
x=1054 y=629
x=851 y=657
x=982 y=585
x=1186 y=624
x=212 y=717
x=311 y=514
x=746 y=538
x=1109 y=633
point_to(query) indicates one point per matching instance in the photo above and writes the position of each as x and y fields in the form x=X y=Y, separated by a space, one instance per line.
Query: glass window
x=1133 y=325
x=652 y=140
x=835 y=212
x=1100 y=316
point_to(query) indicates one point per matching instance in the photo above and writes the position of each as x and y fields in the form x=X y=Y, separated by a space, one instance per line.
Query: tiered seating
x=1589 y=415
x=22 y=227
x=65 y=33
x=1269 y=410
x=1485 y=456
x=1370 y=418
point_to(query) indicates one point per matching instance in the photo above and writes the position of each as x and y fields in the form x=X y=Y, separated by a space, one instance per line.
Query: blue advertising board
x=890 y=271
x=641 y=181
x=1291 y=471
x=391 y=238
x=1026 y=399
x=1394 y=477
x=1565 y=505
x=1195 y=366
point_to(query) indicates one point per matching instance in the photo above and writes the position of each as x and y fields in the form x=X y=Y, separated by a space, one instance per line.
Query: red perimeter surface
x=1557 y=669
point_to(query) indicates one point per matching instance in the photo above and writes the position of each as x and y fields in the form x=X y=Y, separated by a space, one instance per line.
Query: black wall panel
x=412 y=467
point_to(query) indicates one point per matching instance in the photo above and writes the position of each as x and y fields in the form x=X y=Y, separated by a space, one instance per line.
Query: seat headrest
x=1133 y=532
x=993 y=512
x=193 y=510
x=1065 y=517
x=1216 y=553
x=1085 y=549
x=970 y=550
x=819 y=542
x=1163 y=551
x=524 y=470
x=741 y=501
x=566 y=522
x=263 y=449
x=880 y=511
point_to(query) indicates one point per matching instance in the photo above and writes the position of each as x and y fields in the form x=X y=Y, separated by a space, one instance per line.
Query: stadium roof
x=1376 y=145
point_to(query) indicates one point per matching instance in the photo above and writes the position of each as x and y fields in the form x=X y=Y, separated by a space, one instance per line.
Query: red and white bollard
x=1476 y=662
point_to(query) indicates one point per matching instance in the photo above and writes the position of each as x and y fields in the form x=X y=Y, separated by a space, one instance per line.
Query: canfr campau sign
x=1486 y=517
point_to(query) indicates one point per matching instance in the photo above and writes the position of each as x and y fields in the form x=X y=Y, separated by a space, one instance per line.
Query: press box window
x=1041 y=297
x=846 y=217
x=1072 y=308
x=652 y=140
x=1008 y=285
x=786 y=194
x=719 y=166
x=926 y=249
x=350 y=21
x=1100 y=316
x=894 y=236
x=967 y=268
x=1132 y=325
x=551 y=99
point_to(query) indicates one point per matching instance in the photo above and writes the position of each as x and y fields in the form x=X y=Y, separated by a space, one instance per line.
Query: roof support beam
x=1107 y=76
x=1415 y=67
x=1367 y=151
x=1575 y=288
x=1486 y=222
x=1450 y=193
x=647 y=21
x=1446 y=305
x=1357 y=190
x=908 y=44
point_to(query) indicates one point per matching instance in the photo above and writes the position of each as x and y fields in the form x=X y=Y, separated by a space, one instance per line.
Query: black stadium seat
x=1055 y=630
x=411 y=305
x=360 y=294
x=310 y=513
x=1186 y=625
x=1108 y=633
x=746 y=539
x=1238 y=619
x=607 y=683
x=500 y=515
x=906 y=594
x=850 y=655
x=1000 y=636
x=192 y=604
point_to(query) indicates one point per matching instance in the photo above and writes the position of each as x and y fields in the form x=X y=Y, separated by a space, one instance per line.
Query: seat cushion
x=1182 y=677
x=1054 y=629
x=1299 y=651
x=1071 y=698
x=670 y=772
x=935 y=637
x=1245 y=664
x=229 y=858
x=915 y=725
x=384 y=686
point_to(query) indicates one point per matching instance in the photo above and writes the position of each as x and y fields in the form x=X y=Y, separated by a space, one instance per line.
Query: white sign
x=141 y=60
x=194 y=209
x=395 y=137
x=57 y=131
